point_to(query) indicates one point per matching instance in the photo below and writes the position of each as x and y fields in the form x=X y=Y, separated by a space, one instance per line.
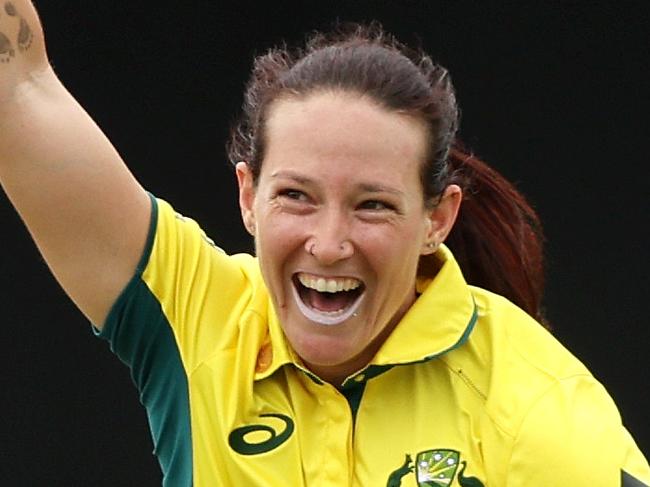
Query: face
x=340 y=223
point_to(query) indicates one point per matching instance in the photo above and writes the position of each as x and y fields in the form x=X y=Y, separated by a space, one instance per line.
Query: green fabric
x=140 y=335
x=353 y=393
x=628 y=481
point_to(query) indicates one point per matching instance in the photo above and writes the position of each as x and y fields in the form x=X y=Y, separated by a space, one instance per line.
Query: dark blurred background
x=553 y=94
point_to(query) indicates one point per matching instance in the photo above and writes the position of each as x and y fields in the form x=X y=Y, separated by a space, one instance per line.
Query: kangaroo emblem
x=395 y=478
x=434 y=468
x=467 y=481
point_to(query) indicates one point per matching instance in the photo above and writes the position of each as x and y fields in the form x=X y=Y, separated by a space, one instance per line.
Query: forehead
x=346 y=131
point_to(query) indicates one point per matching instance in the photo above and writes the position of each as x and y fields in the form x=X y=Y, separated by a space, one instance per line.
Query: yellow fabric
x=476 y=389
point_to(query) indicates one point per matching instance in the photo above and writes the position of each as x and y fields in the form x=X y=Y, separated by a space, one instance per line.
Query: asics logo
x=237 y=439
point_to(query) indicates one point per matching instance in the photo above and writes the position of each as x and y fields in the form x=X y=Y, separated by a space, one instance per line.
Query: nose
x=330 y=240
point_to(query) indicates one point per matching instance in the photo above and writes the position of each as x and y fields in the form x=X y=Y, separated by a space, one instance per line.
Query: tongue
x=329 y=302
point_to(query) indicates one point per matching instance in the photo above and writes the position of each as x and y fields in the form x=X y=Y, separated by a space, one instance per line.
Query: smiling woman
x=338 y=199
x=387 y=330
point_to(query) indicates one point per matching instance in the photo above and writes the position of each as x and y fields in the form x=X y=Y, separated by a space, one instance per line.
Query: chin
x=320 y=347
x=330 y=357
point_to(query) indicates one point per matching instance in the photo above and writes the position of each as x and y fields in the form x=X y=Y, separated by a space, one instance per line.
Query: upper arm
x=573 y=436
x=86 y=212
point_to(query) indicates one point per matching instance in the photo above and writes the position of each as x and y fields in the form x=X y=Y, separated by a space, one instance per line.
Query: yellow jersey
x=467 y=391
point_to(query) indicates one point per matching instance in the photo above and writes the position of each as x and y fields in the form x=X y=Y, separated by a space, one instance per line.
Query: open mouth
x=328 y=301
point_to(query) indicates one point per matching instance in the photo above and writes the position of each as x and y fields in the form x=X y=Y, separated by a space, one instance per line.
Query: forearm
x=86 y=212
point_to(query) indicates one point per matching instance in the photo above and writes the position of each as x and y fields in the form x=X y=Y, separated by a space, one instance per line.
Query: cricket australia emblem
x=434 y=468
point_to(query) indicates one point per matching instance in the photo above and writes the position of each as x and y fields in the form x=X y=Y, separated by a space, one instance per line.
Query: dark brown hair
x=497 y=238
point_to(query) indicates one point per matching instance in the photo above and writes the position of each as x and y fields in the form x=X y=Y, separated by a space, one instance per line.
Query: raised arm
x=86 y=212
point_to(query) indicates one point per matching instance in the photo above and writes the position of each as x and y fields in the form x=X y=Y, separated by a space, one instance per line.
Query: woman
x=350 y=350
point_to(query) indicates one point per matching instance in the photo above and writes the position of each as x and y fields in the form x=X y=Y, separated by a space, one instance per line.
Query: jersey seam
x=472 y=386
x=467 y=380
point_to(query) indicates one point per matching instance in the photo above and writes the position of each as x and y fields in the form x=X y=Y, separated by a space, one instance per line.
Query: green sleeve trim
x=151 y=236
x=141 y=336
x=628 y=481
x=142 y=264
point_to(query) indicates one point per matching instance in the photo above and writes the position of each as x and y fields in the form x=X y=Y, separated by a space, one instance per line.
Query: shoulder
x=179 y=244
x=513 y=361
x=543 y=408
x=189 y=285
x=516 y=339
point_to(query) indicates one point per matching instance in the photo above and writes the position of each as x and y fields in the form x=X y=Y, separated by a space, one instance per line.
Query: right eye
x=293 y=194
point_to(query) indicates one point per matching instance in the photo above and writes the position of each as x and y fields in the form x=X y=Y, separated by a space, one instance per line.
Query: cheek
x=272 y=218
x=277 y=237
x=400 y=242
x=281 y=228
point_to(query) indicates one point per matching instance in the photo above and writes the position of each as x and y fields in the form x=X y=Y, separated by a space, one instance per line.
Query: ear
x=246 y=195
x=441 y=218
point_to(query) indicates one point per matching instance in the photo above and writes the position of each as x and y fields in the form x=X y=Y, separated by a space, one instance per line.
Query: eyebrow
x=287 y=174
x=368 y=187
x=379 y=188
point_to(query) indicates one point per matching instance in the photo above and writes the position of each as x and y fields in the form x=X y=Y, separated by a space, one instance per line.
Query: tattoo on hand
x=23 y=38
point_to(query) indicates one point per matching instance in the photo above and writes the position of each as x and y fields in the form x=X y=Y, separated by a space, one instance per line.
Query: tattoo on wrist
x=19 y=34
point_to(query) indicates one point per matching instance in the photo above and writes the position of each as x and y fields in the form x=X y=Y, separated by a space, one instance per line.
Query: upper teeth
x=324 y=285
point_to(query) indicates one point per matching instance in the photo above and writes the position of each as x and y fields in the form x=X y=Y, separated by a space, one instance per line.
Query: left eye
x=375 y=205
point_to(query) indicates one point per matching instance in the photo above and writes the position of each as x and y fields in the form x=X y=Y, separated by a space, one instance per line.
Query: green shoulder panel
x=140 y=335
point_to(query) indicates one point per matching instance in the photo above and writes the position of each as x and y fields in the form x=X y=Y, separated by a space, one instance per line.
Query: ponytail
x=498 y=238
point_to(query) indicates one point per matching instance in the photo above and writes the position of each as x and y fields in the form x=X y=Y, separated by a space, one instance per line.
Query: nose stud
x=311 y=248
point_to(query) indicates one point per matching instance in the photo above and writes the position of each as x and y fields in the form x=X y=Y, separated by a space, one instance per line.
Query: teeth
x=323 y=285
x=328 y=318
